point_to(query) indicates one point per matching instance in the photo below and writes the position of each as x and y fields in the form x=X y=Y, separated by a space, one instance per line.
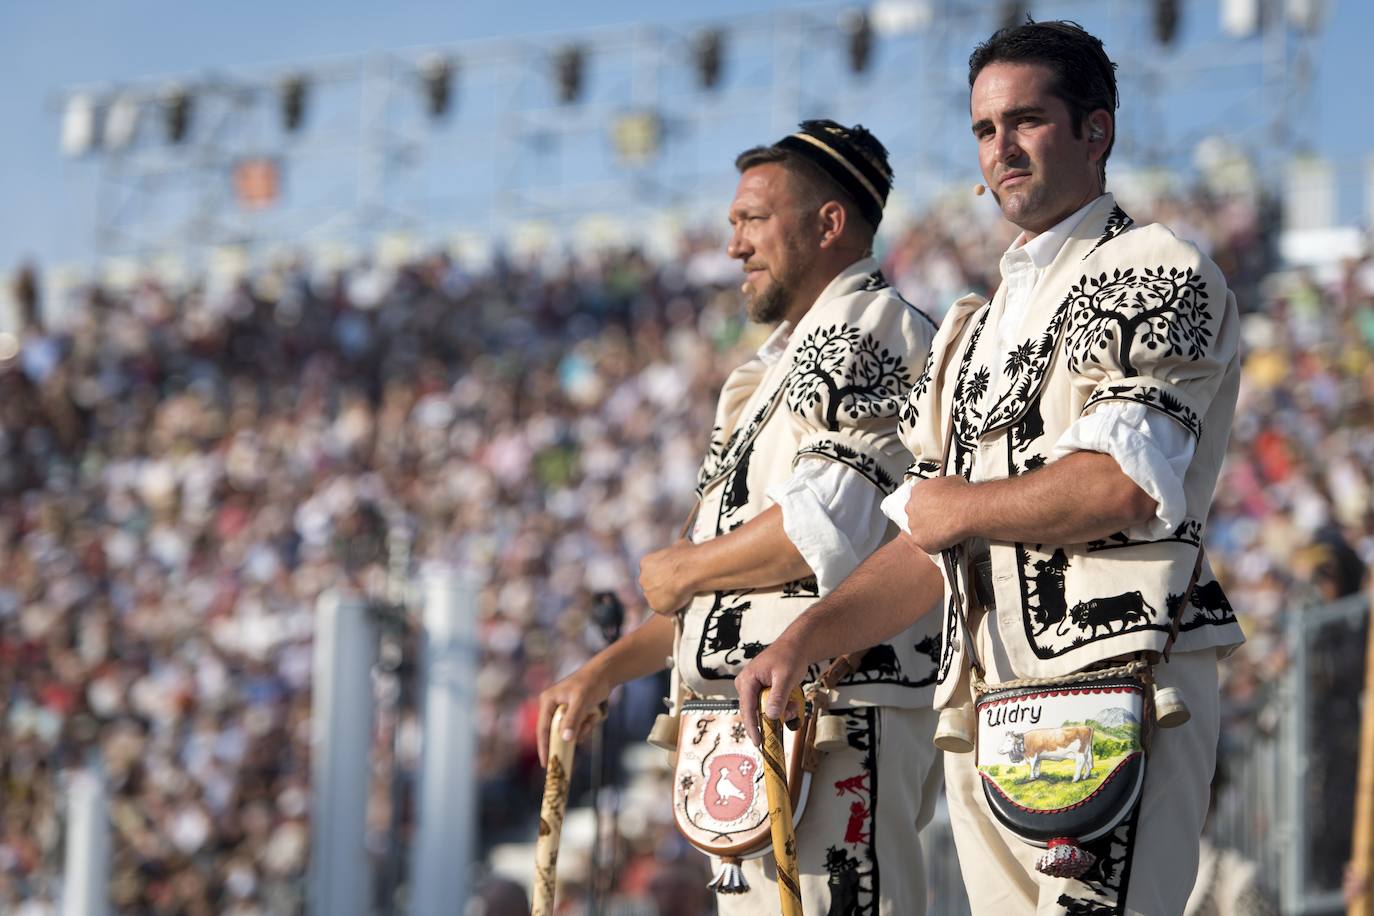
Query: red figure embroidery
x=856 y=784
x=854 y=833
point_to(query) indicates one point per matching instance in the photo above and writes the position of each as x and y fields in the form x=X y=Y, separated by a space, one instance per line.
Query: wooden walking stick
x=780 y=811
x=551 y=812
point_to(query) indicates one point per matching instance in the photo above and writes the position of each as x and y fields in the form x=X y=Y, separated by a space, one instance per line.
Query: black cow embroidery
x=930 y=648
x=1047 y=588
x=878 y=662
x=1125 y=609
x=1211 y=604
x=1210 y=599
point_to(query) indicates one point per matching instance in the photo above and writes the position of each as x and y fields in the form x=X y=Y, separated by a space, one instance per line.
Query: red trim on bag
x=1078 y=804
x=1059 y=693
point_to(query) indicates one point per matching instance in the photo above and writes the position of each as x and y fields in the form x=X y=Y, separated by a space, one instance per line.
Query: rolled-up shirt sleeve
x=894 y=506
x=1151 y=448
x=830 y=514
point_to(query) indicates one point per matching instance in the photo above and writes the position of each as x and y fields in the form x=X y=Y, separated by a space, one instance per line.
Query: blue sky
x=47 y=212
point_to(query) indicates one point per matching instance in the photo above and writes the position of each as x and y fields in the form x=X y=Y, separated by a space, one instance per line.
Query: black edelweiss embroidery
x=1117 y=223
x=1150 y=396
x=720 y=457
x=1189 y=532
x=843 y=369
x=969 y=389
x=1163 y=309
x=918 y=390
x=1024 y=368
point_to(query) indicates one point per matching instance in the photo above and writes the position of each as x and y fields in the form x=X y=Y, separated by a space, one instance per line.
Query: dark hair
x=1084 y=76
x=815 y=185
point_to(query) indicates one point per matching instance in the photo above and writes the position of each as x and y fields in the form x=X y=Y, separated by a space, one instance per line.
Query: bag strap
x=839 y=669
x=948 y=556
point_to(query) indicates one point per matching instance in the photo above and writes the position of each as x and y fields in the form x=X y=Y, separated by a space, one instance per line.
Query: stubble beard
x=1025 y=204
x=769 y=306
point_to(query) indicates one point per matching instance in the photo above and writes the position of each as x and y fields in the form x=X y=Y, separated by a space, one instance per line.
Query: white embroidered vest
x=835 y=393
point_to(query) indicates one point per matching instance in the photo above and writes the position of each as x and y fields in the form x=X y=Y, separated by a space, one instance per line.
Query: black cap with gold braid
x=851 y=156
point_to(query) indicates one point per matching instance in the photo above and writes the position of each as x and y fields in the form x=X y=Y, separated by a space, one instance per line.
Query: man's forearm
x=1080 y=498
x=892 y=589
x=757 y=554
x=1077 y=499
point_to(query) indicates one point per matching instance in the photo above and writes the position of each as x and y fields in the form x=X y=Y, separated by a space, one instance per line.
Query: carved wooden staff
x=780 y=811
x=551 y=812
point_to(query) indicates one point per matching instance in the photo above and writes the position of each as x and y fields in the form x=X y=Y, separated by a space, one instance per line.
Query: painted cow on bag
x=1071 y=742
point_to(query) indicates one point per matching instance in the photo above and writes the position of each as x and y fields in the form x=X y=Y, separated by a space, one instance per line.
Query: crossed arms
x=1079 y=498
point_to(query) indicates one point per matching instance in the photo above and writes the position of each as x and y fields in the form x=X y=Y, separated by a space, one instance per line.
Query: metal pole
x=1294 y=865
x=87 y=869
x=447 y=784
x=341 y=735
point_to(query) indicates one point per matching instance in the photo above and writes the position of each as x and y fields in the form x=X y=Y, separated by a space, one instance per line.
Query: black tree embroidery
x=848 y=371
x=1162 y=309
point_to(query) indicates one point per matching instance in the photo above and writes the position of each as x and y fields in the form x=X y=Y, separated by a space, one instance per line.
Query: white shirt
x=1151 y=449
x=830 y=512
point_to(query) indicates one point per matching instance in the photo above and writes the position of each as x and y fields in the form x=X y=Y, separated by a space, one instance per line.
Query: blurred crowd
x=186 y=467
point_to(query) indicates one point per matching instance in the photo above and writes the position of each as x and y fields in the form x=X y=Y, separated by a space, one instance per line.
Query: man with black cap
x=803 y=450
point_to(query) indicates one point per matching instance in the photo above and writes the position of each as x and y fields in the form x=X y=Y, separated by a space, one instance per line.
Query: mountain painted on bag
x=1115 y=716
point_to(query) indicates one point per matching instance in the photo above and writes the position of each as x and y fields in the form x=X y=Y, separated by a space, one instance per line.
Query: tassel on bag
x=729 y=878
x=1064 y=858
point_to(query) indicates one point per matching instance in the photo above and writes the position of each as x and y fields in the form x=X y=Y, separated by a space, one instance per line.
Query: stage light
x=1166 y=21
x=293 y=100
x=177 y=109
x=1240 y=18
x=637 y=136
x=121 y=122
x=1307 y=15
x=858 y=39
x=707 y=50
x=568 y=64
x=78 y=125
x=436 y=72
